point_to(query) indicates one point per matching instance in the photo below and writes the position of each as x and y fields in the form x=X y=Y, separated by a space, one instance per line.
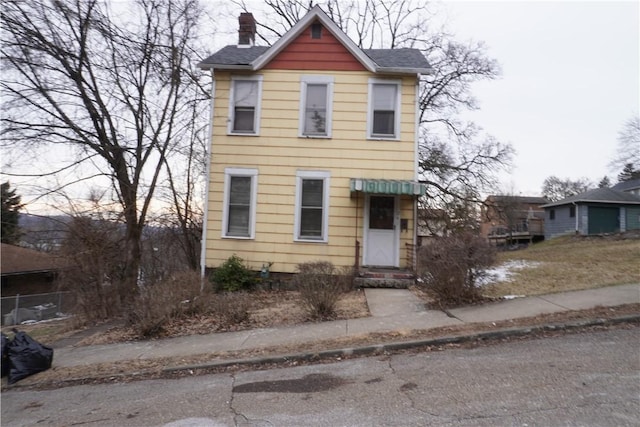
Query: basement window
x=316 y=31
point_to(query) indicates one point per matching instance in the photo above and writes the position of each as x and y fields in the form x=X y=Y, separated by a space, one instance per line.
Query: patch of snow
x=513 y=296
x=503 y=272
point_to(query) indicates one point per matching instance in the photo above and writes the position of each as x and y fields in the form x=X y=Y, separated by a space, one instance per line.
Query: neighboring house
x=26 y=271
x=602 y=210
x=632 y=186
x=313 y=150
x=515 y=218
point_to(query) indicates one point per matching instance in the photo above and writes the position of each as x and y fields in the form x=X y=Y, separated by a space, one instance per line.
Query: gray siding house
x=632 y=186
x=597 y=211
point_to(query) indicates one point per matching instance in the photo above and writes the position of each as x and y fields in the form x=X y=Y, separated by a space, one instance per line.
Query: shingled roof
x=18 y=260
x=599 y=195
x=627 y=185
x=253 y=58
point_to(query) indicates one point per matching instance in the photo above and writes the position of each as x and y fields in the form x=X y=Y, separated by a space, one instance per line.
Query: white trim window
x=239 y=208
x=315 y=106
x=244 y=105
x=312 y=206
x=383 y=117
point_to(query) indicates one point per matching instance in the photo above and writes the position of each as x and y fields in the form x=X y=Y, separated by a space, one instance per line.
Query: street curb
x=334 y=354
x=404 y=345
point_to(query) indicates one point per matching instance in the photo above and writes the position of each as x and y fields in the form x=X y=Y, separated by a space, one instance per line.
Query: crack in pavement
x=239 y=419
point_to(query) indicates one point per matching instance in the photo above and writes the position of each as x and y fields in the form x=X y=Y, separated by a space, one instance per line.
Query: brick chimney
x=246 y=30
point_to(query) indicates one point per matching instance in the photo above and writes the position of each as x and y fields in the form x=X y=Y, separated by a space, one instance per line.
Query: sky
x=570 y=79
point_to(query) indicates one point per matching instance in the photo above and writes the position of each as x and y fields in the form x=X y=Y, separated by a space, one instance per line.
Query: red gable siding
x=325 y=53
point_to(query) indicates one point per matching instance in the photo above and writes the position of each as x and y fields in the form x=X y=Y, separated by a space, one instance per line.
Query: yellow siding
x=278 y=153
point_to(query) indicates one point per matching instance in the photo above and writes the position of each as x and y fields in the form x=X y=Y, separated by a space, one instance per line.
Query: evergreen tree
x=628 y=173
x=11 y=206
x=604 y=182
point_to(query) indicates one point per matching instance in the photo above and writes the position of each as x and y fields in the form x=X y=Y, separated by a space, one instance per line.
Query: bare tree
x=554 y=188
x=457 y=162
x=110 y=81
x=628 y=150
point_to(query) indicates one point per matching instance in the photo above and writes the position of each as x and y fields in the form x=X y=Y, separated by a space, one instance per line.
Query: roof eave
x=403 y=70
x=23 y=272
x=570 y=202
x=204 y=66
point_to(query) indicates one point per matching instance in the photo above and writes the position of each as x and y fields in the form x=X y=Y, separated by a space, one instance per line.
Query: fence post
x=15 y=312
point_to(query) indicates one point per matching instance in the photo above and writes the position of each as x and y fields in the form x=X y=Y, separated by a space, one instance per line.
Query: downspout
x=357 y=254
x=415 y=170
x=577 y=217
x=203 y=243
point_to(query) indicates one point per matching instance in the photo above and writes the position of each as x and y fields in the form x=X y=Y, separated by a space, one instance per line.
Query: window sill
x=242 y=134
x=299 y=240
x=382 y=138
x=314 y=136
x=239 y=237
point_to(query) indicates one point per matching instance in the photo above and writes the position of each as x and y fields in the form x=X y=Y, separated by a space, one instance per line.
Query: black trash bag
x=27 y=357
x=4 y=355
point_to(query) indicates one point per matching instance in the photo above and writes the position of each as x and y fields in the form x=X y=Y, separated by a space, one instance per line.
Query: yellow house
x=313 y=150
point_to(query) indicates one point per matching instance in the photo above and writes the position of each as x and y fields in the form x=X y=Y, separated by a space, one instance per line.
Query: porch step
x=385 y=279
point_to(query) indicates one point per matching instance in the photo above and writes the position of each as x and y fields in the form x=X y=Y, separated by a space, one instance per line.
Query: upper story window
x=316 y=31
x=315 y=106
x=312 y=206
x=383 y=119
x=240 y=189
x=244 y=108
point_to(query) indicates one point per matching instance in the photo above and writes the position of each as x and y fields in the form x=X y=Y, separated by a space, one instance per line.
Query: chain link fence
x=37 y=307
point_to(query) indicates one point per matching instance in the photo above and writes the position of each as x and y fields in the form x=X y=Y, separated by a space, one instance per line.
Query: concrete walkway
x=391 y=310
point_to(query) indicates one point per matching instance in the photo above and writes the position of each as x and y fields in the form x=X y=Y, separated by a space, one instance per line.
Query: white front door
x=381 y=231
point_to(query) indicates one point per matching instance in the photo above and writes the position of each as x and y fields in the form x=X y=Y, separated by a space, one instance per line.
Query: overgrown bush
x=175 y=297
x=232 y=275
x=231 y=308
x=320 y=287
x=451 y=267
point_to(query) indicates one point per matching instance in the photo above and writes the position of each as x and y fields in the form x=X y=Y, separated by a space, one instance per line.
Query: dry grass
x=571 y=263
x=45 y=332
x=268 y=309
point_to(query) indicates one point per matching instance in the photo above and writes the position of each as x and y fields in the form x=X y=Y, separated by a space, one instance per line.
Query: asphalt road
x=583 y=379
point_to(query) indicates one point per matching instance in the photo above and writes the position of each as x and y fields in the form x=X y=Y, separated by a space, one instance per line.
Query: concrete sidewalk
x=391 y=310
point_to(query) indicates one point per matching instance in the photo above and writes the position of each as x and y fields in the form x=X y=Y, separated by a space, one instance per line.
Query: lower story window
x=312 y=206
x=239 y=203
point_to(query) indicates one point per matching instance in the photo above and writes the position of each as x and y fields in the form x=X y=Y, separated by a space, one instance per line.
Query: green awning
x=387 y=186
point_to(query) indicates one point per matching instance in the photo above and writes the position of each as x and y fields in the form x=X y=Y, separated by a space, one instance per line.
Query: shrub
x=233 y=275
x=175 y=297
x=320 y=287
x=451 y=266
x=232 y=308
